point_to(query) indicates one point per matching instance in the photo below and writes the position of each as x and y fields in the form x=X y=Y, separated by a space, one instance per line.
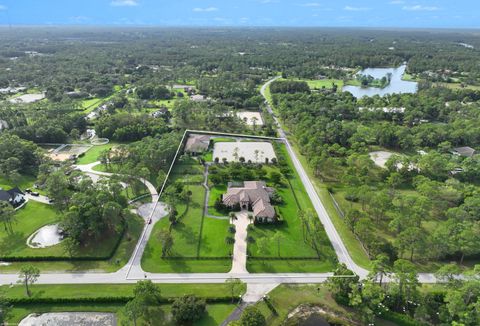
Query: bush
x=188 y=308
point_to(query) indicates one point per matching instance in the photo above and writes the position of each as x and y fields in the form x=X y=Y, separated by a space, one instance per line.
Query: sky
x=322 y=13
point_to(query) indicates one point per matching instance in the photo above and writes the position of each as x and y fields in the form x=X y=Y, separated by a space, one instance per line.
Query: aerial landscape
x=283 y=167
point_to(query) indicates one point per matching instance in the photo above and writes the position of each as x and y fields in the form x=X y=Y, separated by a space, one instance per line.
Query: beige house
x=197 y=144
x=254 y=194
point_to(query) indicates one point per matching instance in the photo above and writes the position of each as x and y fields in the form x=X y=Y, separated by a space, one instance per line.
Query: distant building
x=464 y=151
x=161 y=113
x=198 y=98
x=252 y=194
x=14 y=196
x=197 y=144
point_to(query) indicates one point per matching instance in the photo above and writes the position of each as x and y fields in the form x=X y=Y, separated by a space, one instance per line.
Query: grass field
x=285 y=298
x=35 y=215
x=192 y=237
x=292 y=244
x=24 y=182
x=92 y=155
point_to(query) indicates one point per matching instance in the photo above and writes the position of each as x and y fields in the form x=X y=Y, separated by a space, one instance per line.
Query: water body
x=396 y=86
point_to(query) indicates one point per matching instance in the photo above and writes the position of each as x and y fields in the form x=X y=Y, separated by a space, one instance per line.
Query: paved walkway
x=40 y=198
x=239 y=261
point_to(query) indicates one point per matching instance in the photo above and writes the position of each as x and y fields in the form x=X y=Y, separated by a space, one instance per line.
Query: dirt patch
x=70 y=319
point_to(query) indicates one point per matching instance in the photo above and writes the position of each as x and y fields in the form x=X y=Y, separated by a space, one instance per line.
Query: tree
x=71 y=246
x=134 y=309
x=187 y=309
x=5 y=309
x=405 y=277
x=232 y=217
x=28 y=275
x=275 y=177
x=166 y=240
x=251 y=316
x=7 y=214
x=380 y=267
x=342 y=283
x=233 y=284
x=278 y=238
x=147 y=292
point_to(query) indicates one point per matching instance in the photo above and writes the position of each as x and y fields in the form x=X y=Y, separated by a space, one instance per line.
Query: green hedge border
x=84 y=300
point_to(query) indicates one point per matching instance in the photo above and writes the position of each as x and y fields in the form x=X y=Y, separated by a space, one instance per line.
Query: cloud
x=208 y=9
x=350 y=8
x=2 y=7
x=311 y=4
x=124 y=3
x=420 y=8
x=397 y=2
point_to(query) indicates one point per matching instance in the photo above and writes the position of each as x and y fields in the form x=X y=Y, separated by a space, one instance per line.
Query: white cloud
x=124 y=3
x=420 y=8
x=350 y=8
x=397 y=2
x=311 y=4
x=2 y=7
x=208 y=9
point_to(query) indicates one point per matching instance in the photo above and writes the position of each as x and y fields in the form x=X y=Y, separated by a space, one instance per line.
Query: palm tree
x=250 y=217
x=232 y=216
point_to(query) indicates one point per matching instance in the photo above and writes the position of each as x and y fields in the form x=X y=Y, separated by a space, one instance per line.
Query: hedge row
x=197 y=258
x=282 y=258
x=400 y=319
x=90 y=300
x=66 y=258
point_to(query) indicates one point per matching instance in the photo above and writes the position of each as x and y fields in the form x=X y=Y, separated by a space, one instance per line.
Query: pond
x=315 y=320
x=396 y=86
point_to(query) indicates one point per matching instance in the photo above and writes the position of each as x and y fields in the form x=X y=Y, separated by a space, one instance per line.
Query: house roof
x=255 y=193
x=197 y=143
x=7 y=195
x=464 y=151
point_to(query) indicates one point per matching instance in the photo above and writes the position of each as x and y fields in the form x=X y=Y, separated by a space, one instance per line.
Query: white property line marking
x=154 y=207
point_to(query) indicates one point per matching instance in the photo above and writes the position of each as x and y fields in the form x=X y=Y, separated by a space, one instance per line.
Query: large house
x=197 y=144
x=252 y=194
x=14 y=196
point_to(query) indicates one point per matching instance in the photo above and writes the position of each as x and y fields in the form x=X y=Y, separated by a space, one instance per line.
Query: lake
x=396 y=86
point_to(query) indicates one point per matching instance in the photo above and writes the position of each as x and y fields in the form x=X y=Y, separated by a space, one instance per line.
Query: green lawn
x=292 y=244
x=286 y=298
x=24 y=182
x=215 y=314
x=35 y=215
x=216 y=192
x=192 y=238
x=352 y=244
x=92 y=155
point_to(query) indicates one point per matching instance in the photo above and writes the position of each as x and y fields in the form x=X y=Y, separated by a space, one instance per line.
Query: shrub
x=187 y=309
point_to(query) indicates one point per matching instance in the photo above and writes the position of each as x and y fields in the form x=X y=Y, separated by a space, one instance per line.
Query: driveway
x=239 y=261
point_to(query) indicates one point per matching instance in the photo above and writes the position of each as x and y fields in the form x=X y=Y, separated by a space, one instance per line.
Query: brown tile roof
x=197 y=143
x=255 y=193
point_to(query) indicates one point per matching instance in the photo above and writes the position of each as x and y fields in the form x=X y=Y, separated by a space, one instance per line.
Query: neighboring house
x=160 y=113
x=14 y=196
x=252 y=194
x=197 y=144
x=464 y=151
x=198 y=98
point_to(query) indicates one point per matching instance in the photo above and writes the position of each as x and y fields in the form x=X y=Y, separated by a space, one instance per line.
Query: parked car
x=50 y=200
x=34 y=193
x=28 y=191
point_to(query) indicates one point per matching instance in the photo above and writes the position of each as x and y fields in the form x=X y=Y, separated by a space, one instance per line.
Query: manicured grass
x=92 y=155
x=91 y=104
x=216 y=192
x=458 y=86
x=28 y=219
x=158 y=315
x=293 y=243
x=69 y=291
x=191 y=238
x=352 y=244
x=325 y=83
x=24 y=182
x=223 y=140
x=119 y=259
x=286 y=298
